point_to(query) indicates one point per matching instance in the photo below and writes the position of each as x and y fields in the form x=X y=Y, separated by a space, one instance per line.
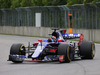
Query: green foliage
x=26 y=3
x=15 y=3
x=37 y=2
x=54 y=2
x=5 y=3
x=71 y=2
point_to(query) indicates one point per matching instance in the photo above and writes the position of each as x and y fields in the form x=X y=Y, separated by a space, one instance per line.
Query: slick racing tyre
x=87 y=50
x=17 y=49
x=66 y=50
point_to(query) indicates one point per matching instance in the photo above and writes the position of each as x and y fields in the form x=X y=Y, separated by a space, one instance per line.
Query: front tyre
x=65 y=51
x=87 y=50
x=17 y=52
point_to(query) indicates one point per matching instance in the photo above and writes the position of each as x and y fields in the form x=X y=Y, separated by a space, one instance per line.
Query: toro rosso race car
x=54 y=48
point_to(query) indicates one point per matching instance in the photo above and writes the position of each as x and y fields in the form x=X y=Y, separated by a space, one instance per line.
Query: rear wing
x=69 y=36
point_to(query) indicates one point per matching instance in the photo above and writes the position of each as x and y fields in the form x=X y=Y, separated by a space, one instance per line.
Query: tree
x=15 y=3
x=5 y=3
x=25 y=3
x=71 y=2
x=90 y=1
x=54 y=2
x=37 y=3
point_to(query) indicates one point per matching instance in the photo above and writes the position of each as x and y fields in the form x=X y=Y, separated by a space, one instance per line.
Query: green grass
x=97 y=42
x=22 y=35
x=39 y=37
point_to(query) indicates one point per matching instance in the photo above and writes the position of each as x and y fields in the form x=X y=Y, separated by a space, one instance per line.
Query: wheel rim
x=22 y=50
x=68 y=53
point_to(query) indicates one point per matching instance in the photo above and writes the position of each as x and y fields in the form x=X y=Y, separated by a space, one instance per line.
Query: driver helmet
x=52 y=39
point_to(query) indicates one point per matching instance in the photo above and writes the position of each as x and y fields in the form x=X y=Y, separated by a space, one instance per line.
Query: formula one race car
x=54 y=48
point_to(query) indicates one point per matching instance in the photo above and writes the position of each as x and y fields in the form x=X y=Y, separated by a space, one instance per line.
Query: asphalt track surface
x=78 y=67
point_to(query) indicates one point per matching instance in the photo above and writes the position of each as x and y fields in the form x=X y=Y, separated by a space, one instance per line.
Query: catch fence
x=83 y=17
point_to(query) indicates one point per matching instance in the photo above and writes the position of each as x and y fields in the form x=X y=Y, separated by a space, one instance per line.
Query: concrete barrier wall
x=91 y=35
x=23 y=30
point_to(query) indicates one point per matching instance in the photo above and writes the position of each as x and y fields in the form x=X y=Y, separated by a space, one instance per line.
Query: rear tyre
x=17 y=49
x=66 y=50
x=87 y=50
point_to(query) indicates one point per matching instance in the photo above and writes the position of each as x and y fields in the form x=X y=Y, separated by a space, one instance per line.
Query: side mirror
x=40 y=40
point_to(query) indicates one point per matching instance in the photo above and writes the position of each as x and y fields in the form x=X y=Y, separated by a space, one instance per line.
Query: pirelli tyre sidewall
x=17 y=49
x=66 y=50
x=87 y=50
